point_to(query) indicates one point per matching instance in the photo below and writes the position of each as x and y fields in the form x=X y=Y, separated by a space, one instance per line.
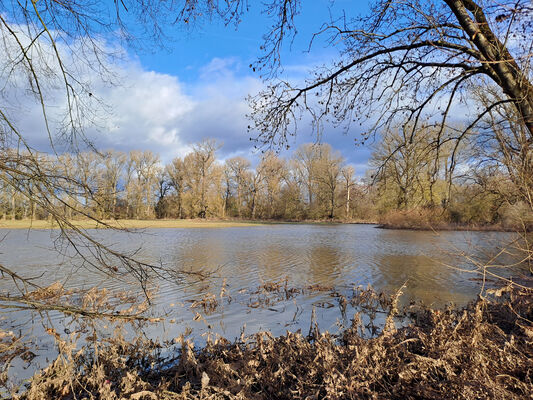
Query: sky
x=195 y=86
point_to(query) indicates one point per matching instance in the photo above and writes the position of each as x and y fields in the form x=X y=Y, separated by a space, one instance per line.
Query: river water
x=235 y=265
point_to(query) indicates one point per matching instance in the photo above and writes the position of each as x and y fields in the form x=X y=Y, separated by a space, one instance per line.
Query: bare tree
x=254 y=183
x=146 y=165
x=112 y=173
x=176 y=173
x=228 y=185
x=503 y=143
x=305 y=158
x=273 y=170
x=328 y=171
x=200 y=164
x=163 y=187
x=347 y=173
x=239 y=167
x=405 y=63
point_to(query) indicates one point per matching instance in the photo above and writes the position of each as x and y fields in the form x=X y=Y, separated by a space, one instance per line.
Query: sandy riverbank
x=127 y=224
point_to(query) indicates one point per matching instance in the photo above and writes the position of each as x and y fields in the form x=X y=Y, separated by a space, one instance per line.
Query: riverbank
x=128 y=224
x=438 y=219
x=163 y=223
x=448 y=227
x=482 y=352
x=230 y=223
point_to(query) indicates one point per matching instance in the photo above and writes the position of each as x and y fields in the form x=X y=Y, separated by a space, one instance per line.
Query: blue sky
x=211 y=51
x=194 y=87
x=189 y=49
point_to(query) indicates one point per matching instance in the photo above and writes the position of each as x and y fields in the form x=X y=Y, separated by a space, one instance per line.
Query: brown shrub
x=481 y=352
x=418 y=218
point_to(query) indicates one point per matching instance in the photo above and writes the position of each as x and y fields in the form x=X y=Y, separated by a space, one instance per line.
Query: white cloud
x=145 y=112
x=155 y=111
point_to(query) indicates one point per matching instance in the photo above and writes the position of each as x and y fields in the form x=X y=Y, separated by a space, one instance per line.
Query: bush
x=517 y=217
x=419 y=218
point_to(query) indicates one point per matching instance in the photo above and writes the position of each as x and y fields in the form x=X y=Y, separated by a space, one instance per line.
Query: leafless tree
x=328 y=171
x=200 y=165
x=177 y=173
x=405 y=63
x=239 y=168
x=347 y=173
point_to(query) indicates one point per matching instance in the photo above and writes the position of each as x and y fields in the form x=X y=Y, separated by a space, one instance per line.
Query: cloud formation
x=154 y=111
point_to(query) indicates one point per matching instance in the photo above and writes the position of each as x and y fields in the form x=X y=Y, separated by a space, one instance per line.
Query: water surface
x=433 y=268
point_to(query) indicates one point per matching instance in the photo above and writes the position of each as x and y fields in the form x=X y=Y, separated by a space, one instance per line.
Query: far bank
x=404 y=224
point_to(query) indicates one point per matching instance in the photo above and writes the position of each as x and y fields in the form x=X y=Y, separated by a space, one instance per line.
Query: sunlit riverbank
x=127 y=224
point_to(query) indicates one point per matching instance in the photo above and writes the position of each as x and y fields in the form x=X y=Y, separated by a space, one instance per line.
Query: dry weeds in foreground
x=483 y=351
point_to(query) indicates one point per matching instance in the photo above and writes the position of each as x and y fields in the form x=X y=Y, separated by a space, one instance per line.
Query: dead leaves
x=484 y=351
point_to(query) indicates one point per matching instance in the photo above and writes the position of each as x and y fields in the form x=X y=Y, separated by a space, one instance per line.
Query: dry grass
x=482 y=352
x=127 y=224
x=164 y=223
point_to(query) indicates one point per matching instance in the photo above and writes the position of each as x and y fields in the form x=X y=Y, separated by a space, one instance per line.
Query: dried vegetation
x=482 y=351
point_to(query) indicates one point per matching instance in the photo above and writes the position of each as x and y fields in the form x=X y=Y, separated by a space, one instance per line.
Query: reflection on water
x=329 y=255
x=338 y=256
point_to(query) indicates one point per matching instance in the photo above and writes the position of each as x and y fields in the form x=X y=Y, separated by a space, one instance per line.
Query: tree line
x=315 y=183
x=486 y=180
x=401 y=67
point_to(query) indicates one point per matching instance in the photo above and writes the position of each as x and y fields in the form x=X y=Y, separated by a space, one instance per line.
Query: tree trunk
x=13 y=205
x=253 y=204
x=499 y=64
x=347 y=201
x=180 y=213
x=332 y=210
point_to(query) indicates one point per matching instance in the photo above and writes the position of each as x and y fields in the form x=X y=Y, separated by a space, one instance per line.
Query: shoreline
x=233 y=223
x=437 y=354
x=127 y=224
x=449 y=228
x=164 y=223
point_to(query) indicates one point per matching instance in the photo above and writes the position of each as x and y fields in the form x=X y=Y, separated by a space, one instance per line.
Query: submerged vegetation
x=481 y=352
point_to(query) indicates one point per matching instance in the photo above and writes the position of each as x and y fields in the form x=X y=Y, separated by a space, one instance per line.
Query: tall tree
x=305 y=158
x=328 y=171
x=176 y=173
x=503 y=143
x=273 y=170
x=239 y=167
x=146 y=165
x=347 y=173
x=409 y=172
x=163 y=187
x=87 y=172
x=111 y=174
x=200 y=166
x=402 y=62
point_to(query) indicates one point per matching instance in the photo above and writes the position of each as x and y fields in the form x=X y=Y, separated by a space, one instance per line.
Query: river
x=245 y=260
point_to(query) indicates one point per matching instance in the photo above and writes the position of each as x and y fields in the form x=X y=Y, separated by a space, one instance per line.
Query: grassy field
x=128 y=224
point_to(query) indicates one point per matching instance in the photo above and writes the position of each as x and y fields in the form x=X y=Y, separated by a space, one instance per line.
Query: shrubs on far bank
x=516 y=217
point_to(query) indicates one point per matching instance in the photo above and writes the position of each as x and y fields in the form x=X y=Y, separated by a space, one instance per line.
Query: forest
x=407 y=185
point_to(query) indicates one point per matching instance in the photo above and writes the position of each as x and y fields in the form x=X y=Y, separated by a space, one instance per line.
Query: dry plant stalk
x=481 y=352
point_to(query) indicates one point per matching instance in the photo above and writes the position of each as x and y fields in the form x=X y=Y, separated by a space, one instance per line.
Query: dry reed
x=481 y=352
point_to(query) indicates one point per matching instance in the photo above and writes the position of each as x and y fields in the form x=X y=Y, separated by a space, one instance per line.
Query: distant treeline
x=315 y=183
x=406 y=185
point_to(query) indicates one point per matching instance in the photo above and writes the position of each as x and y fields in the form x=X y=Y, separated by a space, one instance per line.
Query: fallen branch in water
x=26 y=304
